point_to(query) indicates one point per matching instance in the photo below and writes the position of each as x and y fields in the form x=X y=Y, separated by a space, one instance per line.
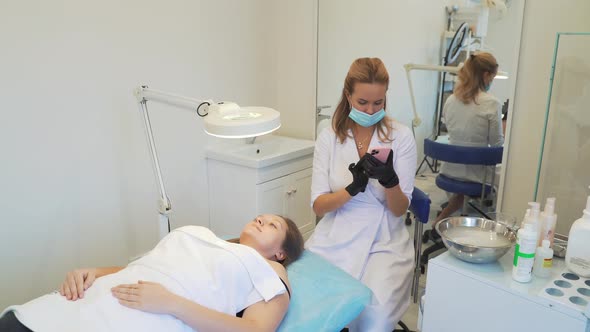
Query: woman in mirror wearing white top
x=361 y=199
x=473 y=117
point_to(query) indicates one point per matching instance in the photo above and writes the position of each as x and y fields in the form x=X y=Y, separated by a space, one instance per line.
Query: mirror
x=565 y=155
x=401 y=32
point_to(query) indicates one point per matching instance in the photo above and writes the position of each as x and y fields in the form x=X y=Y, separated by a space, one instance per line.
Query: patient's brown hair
x=293 y=244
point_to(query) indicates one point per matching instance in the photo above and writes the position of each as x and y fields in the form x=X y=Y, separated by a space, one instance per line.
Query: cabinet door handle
x=294 y=191
x=289 y=192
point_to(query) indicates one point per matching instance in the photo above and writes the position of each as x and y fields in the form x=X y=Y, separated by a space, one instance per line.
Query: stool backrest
x=458 y=154
x=420 y=205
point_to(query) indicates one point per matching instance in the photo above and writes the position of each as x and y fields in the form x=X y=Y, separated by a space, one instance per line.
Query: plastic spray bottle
x=543 y=260
x=535 y=220
x=548 y=222
x=577 y=256
x=526 y=217
x=524 y=253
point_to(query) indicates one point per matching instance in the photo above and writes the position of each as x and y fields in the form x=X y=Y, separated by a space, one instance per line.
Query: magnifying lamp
x=221 y=119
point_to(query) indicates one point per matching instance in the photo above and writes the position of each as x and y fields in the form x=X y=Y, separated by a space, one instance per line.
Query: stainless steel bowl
x=475 y=253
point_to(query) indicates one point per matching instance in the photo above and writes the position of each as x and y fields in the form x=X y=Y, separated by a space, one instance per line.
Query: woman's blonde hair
x=363 y=70
x=471 y=76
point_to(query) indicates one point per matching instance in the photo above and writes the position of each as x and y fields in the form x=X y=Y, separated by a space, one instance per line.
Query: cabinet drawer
x=282 y=169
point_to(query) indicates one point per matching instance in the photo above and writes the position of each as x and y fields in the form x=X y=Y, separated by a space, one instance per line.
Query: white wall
x=543 y=19
x=77 y=185
x=296 y=34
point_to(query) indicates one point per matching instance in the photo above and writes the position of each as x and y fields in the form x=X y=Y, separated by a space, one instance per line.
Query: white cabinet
x=466 y=297
x=267 y=177
x=289 y=196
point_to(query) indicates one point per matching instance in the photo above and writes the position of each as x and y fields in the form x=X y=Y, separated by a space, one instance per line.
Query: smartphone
x=380 y=153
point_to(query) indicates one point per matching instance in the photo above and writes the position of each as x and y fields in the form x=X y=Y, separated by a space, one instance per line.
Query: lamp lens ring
x=199 y=109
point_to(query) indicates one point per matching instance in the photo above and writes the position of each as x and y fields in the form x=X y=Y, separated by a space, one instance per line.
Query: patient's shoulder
x=279 y=269
x=281 y=272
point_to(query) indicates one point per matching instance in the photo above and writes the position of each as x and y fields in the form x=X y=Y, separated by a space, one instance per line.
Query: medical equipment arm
x=411 y=66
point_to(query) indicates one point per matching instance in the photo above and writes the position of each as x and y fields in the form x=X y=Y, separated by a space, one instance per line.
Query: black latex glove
x=383 y=172
x=359 y=178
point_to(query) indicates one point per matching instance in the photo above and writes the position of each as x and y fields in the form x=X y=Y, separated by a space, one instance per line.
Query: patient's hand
x=145 y=296
x=77 y=282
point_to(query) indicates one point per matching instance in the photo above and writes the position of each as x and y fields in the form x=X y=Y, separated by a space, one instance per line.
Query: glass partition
x=564 y=164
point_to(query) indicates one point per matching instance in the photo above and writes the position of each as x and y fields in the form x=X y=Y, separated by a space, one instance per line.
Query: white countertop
x=265 y=151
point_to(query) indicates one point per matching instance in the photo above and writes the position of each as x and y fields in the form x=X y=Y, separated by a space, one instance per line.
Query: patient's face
x=266 y=233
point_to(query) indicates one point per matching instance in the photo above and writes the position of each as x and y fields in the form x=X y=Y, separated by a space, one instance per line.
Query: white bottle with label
x=543 y=260
x=577 y=256
x=524 y=253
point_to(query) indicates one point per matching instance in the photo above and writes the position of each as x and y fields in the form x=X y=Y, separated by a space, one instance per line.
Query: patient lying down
x=191 y=280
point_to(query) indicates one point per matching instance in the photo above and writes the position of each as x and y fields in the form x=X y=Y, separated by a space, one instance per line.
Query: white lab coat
x=473 y=125
x=363 y=237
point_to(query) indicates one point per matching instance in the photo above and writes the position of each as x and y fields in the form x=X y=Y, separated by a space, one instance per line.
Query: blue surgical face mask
x=364 y=119
x=487 y=86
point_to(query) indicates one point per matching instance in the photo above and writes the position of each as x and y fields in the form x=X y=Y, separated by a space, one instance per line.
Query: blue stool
x=467 y=155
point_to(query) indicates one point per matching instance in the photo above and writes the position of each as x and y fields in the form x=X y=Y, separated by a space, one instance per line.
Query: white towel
x=190 y=261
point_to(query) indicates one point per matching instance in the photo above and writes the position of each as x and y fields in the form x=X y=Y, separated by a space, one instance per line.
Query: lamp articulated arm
x=143 y=94
x=223 y=119
x=409 y=67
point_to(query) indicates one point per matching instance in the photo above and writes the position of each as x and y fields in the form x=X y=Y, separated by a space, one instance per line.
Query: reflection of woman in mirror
x=473 y=118
x=361 y=230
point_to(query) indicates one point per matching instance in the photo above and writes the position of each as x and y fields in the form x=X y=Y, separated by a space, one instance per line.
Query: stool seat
x=462 y=187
